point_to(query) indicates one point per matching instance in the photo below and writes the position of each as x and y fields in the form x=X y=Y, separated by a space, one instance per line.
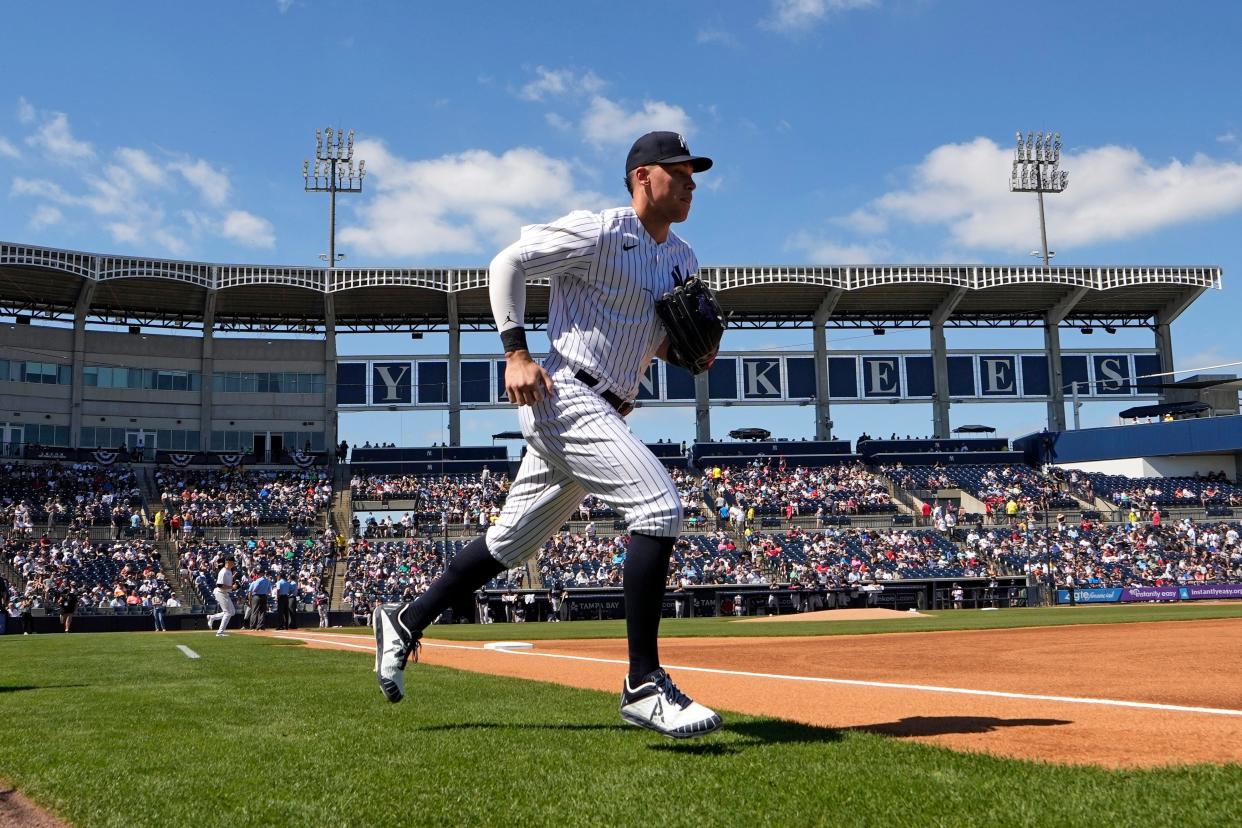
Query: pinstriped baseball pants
x=577 y=444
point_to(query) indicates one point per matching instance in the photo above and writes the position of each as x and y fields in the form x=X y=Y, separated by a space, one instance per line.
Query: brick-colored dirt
x=1188 y=663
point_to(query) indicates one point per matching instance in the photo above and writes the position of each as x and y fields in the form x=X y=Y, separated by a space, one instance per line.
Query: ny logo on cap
x=682 y=141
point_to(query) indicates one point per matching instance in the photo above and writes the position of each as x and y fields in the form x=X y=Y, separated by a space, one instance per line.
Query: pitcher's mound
x=841 y=615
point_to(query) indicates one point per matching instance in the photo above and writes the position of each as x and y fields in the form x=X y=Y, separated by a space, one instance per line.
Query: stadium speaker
x=135 y=329
x=23 y=320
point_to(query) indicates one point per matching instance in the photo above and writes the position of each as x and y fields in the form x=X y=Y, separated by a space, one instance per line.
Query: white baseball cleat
x=658 y=705
x=394 y=644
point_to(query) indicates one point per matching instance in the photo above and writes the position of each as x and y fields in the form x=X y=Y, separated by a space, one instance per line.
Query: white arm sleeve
x=507 y=288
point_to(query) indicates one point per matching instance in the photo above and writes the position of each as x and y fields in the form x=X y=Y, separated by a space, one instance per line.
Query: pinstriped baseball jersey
x=606 y=273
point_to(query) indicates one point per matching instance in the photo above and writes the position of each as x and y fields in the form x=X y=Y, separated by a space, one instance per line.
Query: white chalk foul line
x=926 y=688
x=188 y=652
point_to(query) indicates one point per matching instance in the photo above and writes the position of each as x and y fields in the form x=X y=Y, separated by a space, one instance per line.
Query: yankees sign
x=758 y=377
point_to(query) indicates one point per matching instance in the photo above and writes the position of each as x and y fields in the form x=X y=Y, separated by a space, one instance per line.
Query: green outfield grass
x=934 y=621
x=123 y=729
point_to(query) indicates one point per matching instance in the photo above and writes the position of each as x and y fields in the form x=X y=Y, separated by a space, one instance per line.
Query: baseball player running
x=224 y=586
x=606 y=271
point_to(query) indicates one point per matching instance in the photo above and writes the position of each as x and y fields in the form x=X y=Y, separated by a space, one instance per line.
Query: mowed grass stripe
x=938 y=621
x=124 y=730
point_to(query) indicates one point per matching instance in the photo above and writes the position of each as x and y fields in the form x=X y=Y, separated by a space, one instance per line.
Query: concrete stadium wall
x=1162 y=466
x=131 y=408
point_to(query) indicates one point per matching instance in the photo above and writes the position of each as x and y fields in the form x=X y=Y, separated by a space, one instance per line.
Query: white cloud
x=248 y=229
x=1209 y=356
x=1229 y=137
x=1114 y=193
x=139 y=197
x=558 y=122
x=469 y=202
x=833 y=251
x=716 y=37
x=864 y=221
x=124 y=232
x=554 y=83
x=607 y=123
x=142 y=165
x=284 y=5
x=795 y=15
x=210 y=182
x=55 y=139
x=8 y=150
x=45 y=215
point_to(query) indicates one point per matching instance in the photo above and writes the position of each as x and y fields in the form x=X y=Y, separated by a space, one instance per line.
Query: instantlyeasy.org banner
x=1189 y=592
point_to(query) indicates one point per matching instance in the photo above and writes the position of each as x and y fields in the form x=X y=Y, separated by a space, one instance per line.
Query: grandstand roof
x=47 y=282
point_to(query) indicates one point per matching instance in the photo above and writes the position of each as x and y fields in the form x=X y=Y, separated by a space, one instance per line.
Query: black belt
x=623 y=406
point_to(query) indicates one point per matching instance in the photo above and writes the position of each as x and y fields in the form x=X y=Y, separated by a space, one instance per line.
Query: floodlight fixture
x=334 y=172
x=1036 y=169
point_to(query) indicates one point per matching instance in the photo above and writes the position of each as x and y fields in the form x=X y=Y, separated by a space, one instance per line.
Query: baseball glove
x=694 y=323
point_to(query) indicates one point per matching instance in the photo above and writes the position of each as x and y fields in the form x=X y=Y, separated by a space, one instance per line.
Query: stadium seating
x=81 y=494
x=774 y=489
x=465 y=498
x=1164 y=492
x=989 y=483
x=305 y=560
x=390 y=571
x=1129 y=554
x=111 y=574
x=233 y=497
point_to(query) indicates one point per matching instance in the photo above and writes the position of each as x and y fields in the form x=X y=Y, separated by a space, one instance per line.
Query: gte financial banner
x=749 y=377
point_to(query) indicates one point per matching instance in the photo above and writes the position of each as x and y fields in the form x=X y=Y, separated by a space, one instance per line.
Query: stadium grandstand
x=159 y=416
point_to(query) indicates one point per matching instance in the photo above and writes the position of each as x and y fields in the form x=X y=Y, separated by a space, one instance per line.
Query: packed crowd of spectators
x=774 y=489
x=995 y=485
x=34 y=497
x=462 y=499
x=1146 y=493
x=392 y=571
x=832 y=557
x=1138 y=552
x=107 y=574
x=306 y=561
x=235 y=497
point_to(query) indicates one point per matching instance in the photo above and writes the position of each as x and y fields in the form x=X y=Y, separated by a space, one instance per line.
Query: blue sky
x=844 y=131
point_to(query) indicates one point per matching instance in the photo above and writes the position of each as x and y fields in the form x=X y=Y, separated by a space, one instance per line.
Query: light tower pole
x=1035 y=170
x=334 y=172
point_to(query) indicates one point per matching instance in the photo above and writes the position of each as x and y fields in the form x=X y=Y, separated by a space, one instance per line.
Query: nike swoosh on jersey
x=629 y=246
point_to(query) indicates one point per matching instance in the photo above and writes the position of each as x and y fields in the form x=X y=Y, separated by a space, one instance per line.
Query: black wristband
x=514 y=339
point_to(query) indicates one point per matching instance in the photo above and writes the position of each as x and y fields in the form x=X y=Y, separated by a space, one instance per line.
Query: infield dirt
x=1187 y=664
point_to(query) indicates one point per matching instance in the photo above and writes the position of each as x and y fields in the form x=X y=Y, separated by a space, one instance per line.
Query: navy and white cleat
x=658 y=705
x=394 y=644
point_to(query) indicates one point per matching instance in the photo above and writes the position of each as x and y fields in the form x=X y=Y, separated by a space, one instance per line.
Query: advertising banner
x=1165 y=593
x=1200 y=592
x=1189 y=592
x=1090 y=596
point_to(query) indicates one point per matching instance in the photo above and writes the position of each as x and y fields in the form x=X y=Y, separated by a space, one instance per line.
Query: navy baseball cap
x=663 y=148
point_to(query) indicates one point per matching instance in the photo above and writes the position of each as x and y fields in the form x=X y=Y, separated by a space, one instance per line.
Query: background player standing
x=606 y=272
x=224 y=586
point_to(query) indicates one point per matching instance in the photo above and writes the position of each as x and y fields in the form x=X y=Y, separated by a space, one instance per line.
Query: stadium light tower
x=334 y=172
x=1035 y=170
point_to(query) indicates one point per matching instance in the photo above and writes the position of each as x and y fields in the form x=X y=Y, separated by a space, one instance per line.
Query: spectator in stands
x=321 y=607
x=361 y=609
x=158 y=612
